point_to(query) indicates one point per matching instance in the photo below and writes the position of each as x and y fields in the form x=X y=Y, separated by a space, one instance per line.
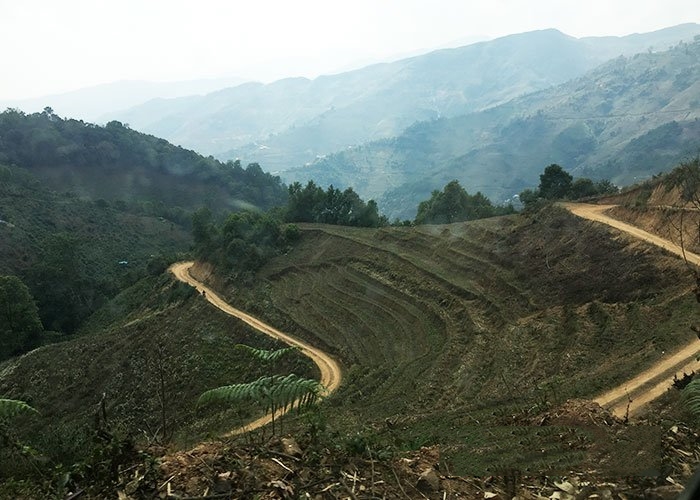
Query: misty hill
x=92 y=103
x=290 y=122
x=116 y=163
x=627 y=119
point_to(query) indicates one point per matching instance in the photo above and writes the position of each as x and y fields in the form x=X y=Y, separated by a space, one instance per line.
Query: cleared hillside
x=465 y=336
x=443 y=327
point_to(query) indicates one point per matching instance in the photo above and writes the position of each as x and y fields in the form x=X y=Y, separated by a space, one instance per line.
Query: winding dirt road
x=331 y=374
x=626 y=399
x=655 y=381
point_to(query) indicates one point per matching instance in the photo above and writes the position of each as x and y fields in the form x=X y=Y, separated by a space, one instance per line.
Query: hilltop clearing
x=449 y=332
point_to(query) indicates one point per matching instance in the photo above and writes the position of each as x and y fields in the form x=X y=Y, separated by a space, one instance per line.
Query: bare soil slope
x=633 y=394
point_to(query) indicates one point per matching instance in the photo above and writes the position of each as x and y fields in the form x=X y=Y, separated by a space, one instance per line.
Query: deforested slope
x=461 y=335
x=442 y=326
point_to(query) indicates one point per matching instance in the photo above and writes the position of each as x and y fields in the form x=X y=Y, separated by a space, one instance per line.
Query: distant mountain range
x=626 y=120
x=490 y=114
x=291 y=122
x=93 y=103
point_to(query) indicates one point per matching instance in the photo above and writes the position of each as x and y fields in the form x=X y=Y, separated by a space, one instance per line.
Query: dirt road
x=330 y=370
x=655 y=381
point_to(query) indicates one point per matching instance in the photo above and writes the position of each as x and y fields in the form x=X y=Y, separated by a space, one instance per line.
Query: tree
x=304 y=202
x=555 y=182
x=454 y=204
x=582 y=188
x=66 y=289
x=203 y=230
x=20 y=326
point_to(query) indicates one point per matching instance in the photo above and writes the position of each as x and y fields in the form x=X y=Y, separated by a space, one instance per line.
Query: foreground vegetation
x=462 y=336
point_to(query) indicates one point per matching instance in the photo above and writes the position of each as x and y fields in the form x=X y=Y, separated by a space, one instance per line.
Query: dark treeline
x=557 y=184
x=244 y=241
x=454 y=204
x=332 y=206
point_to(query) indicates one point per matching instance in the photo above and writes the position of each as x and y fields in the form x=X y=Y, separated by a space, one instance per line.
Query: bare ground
x=629 y=397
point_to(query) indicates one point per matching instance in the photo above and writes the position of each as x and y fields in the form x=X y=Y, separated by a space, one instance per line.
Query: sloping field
x=447 y=333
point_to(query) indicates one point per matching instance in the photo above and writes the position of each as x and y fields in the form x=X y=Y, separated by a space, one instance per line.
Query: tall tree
x=20 y=327
x=555 y=182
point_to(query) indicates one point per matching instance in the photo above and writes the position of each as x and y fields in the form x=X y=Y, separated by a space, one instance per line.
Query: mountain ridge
x=609 y=123
x=332 y=112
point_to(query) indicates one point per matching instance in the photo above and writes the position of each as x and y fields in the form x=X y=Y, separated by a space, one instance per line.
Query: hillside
x=116 y=163
x=664 y=206
x=465 y=336
x=626 y=120
x=75 y=254
x=288 y=123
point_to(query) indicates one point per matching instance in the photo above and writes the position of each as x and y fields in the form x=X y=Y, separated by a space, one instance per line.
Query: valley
x=537 y=346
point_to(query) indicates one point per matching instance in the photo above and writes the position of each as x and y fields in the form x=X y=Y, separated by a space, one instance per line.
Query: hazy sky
x=50 y=46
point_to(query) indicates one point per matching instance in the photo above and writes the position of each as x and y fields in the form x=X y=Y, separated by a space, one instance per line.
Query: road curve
x=655 y=381
x=331 y=374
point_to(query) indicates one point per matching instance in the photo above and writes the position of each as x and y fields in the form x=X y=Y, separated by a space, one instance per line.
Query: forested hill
x=116 y=163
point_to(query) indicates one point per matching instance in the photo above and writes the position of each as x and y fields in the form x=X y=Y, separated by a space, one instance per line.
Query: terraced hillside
x=450 y=334
x=467 y=335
